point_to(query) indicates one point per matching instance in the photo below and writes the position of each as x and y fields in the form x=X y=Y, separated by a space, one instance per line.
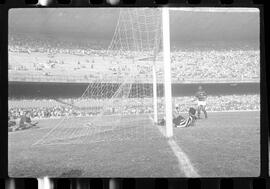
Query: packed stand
x=208 y=65
x=49 y=59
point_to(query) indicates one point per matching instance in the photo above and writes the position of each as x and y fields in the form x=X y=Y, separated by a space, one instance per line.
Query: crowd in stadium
x=231 y=64
x=28 y=44
x=200 y=64
x=48 y=108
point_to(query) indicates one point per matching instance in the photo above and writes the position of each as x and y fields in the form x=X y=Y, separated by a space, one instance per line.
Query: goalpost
x=143 y=89
x=167 y=75
x=167 y=70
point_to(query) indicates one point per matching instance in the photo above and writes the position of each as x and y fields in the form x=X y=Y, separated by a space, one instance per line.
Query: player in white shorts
x=201 y=103
x=201 y=96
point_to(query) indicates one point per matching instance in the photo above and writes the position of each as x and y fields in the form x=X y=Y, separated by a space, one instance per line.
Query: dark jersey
x=201 y=95
x=177 y=120
x=24 y=119
x=187 y=122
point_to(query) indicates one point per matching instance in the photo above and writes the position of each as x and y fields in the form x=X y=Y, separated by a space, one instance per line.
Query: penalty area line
x=183 y=160
x=184 y=164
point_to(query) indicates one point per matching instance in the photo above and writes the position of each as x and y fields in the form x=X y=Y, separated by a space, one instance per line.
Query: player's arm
x=205 y=95
x=197 y=95
x=29 y=122
x=34 y=123
x=195 y=99
x=175 y=114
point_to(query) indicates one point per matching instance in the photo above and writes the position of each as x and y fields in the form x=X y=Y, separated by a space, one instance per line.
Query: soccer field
x=227 y=144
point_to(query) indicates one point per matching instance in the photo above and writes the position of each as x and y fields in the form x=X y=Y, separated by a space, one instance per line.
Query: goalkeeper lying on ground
x=179 y=121
x=26 y=122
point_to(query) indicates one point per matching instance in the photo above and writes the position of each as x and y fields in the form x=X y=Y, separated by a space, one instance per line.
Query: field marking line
x=184 y=164
x=183 y=160
x=47 y=134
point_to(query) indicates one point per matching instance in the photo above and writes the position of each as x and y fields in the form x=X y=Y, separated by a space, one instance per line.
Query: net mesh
x=123 y=107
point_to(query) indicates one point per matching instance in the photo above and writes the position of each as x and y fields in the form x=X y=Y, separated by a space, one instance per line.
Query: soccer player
x=26 y=122
x=180 y=121
x=201 y=96
x=176 y=117
x=188 y=121
x=11 y=123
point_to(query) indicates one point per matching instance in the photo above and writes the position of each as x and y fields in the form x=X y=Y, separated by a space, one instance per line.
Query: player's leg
x=204 y=111
x=199 y=111
x=34 y=123
x=27 y=125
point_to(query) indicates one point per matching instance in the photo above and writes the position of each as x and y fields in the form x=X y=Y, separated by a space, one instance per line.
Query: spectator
x=197 y=64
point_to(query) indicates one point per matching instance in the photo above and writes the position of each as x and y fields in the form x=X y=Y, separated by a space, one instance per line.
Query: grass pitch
x=225 y=144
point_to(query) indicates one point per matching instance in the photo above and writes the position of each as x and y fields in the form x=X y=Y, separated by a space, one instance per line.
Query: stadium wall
x=34 y=90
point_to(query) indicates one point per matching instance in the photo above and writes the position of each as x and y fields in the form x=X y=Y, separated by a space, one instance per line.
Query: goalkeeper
x=190 y=121
x=26 y=122
x=179 y=121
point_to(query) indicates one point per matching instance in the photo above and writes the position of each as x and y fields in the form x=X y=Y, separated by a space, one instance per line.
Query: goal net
x=128 y=98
